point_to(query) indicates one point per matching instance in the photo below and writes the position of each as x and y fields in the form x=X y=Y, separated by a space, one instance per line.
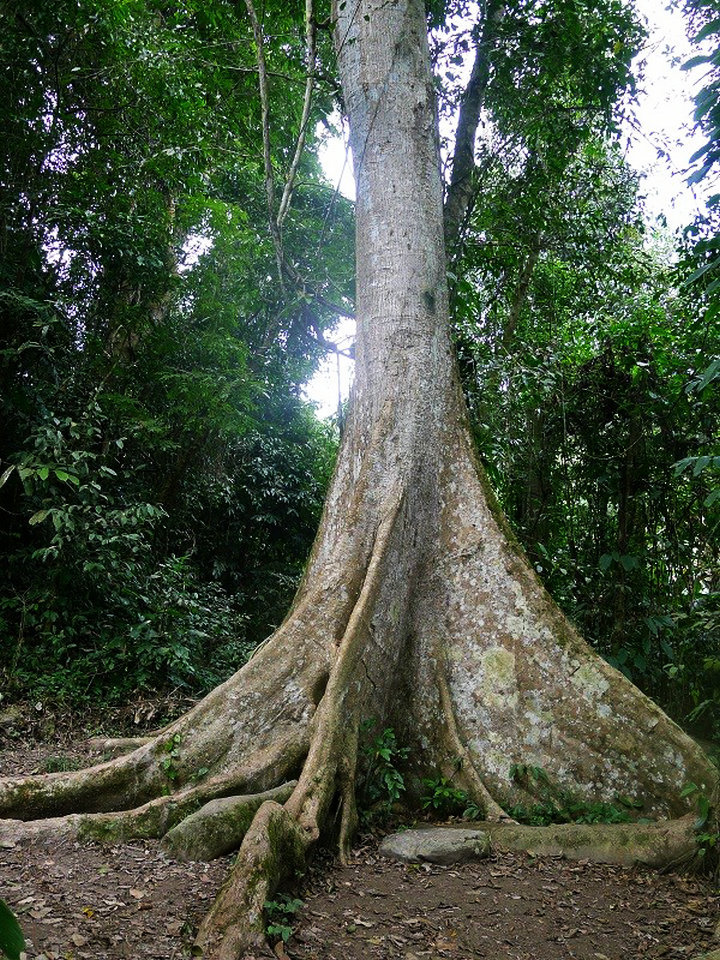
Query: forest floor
x=93 y=902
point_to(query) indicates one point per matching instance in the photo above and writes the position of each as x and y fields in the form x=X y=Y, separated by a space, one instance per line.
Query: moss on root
x=274 y=847
x=653 y=844
x=219 y=826
x=146 y=823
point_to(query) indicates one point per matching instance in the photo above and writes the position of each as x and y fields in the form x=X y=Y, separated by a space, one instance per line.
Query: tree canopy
x=152 y=362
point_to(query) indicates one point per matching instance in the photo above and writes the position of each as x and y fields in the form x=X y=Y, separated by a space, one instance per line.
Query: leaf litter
x=80 y=901
x=509 y=907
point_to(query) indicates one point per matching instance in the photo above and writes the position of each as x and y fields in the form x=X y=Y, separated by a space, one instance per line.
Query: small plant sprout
x=381 y=783
x=280 y=912
x=172 y=752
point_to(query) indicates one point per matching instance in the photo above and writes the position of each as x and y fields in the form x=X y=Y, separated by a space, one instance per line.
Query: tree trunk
x=417 y=608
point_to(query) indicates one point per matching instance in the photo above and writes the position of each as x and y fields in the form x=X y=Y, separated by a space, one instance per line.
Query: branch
x=285 y=268
x=265 y=116
x=275 y=220
x=310 y=47
x=326 y=344
x=521 y=292
x=460 y=192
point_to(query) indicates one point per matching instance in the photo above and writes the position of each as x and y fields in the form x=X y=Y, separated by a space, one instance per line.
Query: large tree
x=417 y=606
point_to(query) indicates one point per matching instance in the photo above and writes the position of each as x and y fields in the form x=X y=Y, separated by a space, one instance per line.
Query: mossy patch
x=94 y=830
x=219 y=826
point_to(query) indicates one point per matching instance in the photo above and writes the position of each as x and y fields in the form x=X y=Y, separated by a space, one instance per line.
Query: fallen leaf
x=40 y=913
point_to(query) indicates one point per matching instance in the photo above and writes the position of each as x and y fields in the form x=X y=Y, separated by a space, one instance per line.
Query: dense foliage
x=704 y=22
x=161 y=476
x=585 y=355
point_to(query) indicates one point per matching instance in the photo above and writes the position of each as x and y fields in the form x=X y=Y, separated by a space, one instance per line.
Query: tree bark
x=418 y=607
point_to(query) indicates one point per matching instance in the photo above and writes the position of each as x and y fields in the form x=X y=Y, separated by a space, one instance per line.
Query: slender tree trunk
x=463 y=177
x=418 y=607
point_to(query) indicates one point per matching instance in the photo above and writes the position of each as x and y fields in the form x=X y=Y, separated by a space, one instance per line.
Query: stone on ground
x=441 y=845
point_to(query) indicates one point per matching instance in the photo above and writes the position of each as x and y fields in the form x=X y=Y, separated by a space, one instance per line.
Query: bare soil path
x=92 y=902
x=511 y=907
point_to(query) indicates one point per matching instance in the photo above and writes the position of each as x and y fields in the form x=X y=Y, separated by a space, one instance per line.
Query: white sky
x=664 y=114
x=665 y=111
x=335 y=373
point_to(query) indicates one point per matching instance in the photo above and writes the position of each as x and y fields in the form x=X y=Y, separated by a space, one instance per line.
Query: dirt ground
x=511 y=907
x=92 y=902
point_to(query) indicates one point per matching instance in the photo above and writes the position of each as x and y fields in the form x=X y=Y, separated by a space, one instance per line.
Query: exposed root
x=336 y=724
x=256 y=737
x=278 y=840
x=467 y=776
x=137 y=779
x=118 y=784
x=219 y=826
x=348 y=806
x=654 y=845
x=117 y=746
x=651 y=844
x=149 y=821
x=274 y=847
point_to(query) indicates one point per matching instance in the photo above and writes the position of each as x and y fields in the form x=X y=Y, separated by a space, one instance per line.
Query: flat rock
x=442 y=845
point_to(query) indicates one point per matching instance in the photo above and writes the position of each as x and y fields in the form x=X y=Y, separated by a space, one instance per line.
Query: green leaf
x=711 y=373
x=712 y=27
x=12 y=942
x=695 y=62
x=6 y=474
x=703 y=805
x=700 y=174
x=682 y=465
x=701 y=271
x=712 y=497
x=67 y=477
x=701 y=152
x=38 y=517
x=700 y=464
